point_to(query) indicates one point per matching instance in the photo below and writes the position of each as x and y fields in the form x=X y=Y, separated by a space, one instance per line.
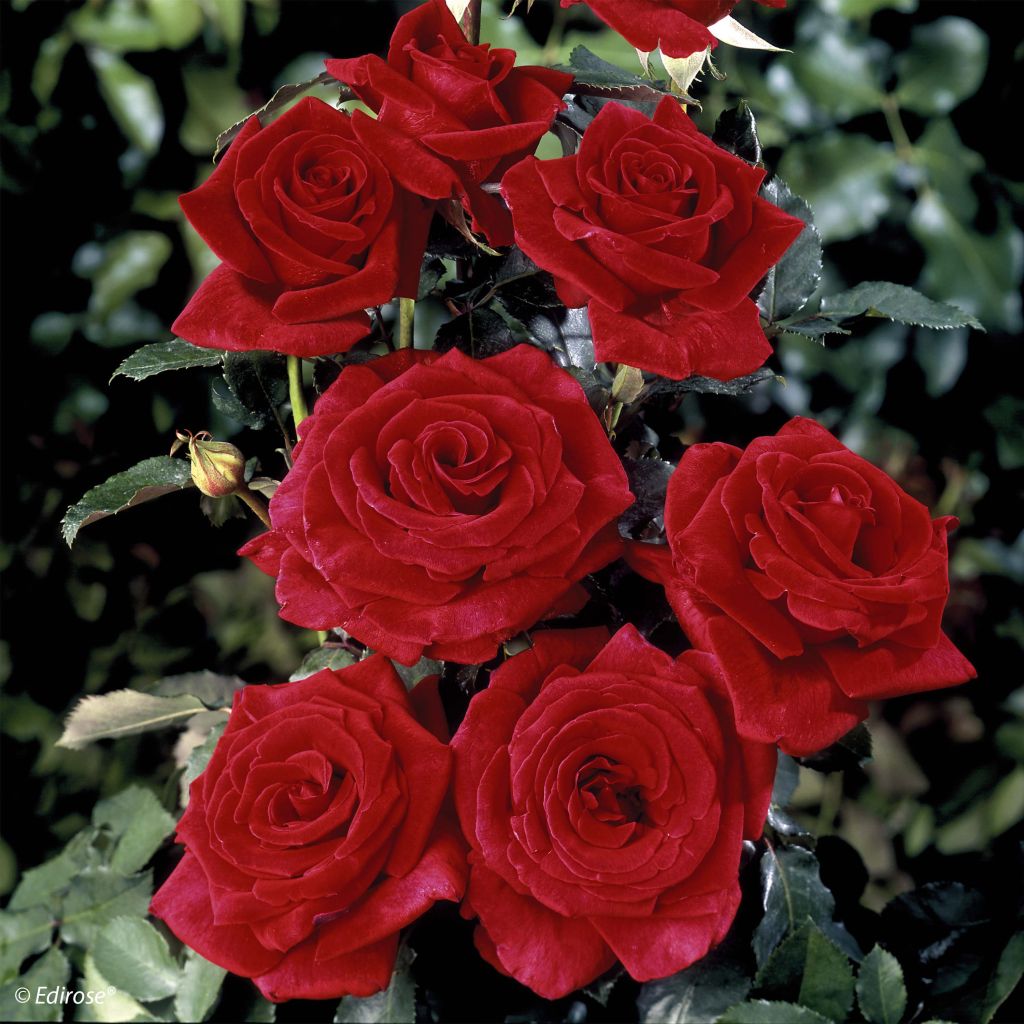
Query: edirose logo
x=678 y=27
x=662 y=234
x=312 y=230
x=470 y=111
x=314 y=836
x=606 y=796
x=440 y=505
x=814 y=578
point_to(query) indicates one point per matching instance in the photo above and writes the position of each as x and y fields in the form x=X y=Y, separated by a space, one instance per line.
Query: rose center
x=609 y=792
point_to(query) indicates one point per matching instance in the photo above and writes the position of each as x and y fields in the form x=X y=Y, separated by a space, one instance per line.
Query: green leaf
x=395 y=1005
x=179 y=21
x=48 y=66
x=736 y=131
x=594 y=75
x=942 y=356
x=1006 y=976
x=199 y=988
x=214 y=100
x=793 y=280
x=323 y=657
x=200 y=758
x=949 y=166
x=848 y=179
x=49 y=972
x=149 y=479
x=881 y=994
x=43 y=884
x=229 y=17
x=1006 y=415
x=117 y=1006
x=98 y=896
x=808 y=966
x=708 y=385
x=214 y=690
x=120 y=25
x=166 y=355
x=124 y=266
x=131 y=98
x=842 y=72
x=945 y=65
x=258 y=382
x=979 y=273
x=124 y=713
x=759 y=1011
x=847 y=752
x=895 y=302
x=792 y=893
x=137 y=821
x=695 y=995
x=133 y=956
x=262 y=1011
x=22 y=933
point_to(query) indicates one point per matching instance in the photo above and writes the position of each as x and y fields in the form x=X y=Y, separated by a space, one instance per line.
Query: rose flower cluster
x=592 y=805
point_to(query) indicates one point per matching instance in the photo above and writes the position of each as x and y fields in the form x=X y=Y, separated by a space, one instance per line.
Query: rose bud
x=218 y=468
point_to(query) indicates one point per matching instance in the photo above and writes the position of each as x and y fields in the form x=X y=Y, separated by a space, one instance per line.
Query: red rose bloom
x=814 y=578
x=439 y=505
x=312 y=230
x=472 y=111
x=662 y=233
x=313 y=836
x=605 y=795
x=678 y=27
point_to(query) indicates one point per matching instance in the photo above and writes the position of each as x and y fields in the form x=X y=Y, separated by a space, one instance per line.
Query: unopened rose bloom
x=470 y=111
x=439 y=505
x=605 y=795
x=813 y=577
x=661 y=234
x=678 y=27
x=316 y=833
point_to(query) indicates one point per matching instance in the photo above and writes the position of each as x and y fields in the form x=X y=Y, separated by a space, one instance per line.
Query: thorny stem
x=258 y=505
x=298 y=399
x=406 y=311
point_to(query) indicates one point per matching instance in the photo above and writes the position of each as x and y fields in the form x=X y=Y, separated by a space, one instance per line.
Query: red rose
x=312 y=230
x=662 y=233
x=313 y=836
x=605 y=795
x=678 y=27
x=472 y=111
x=439 y=505
x=814 y=578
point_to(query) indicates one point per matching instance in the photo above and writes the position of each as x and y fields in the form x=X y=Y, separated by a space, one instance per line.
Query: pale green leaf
x=49 y=972
x=760 y=1011
x=323 y=657
x=22 y=933
x=139 y=824
x=895 y=302
x=199 y=988
x=133 y=956
x=179 y=21
x=1006 y=978
x=124 y=713
x=98 y=896
x=131 y=98
x=166 y=355
x=945 y=65
x=881 y=994
x=125 y=265
x=117 y=1006
x=42 y=884
x=394 y=1005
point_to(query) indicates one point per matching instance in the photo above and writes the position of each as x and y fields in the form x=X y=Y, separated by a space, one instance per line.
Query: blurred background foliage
x=893 y=118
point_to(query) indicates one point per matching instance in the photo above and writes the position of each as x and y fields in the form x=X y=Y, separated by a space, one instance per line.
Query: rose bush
x=439 y=505
x=817 y=581
x=312 y=229
x=662 y=234
x=472 y=113
x=678 y=27
x=605 y=795
x=313 y=836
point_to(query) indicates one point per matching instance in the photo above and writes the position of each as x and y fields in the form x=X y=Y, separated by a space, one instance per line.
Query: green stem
x=900 y=138
x=255 y=503
x=298 y=399
x=406 y=309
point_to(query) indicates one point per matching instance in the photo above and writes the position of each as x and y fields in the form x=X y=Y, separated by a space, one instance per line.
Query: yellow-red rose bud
x=218 y=468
